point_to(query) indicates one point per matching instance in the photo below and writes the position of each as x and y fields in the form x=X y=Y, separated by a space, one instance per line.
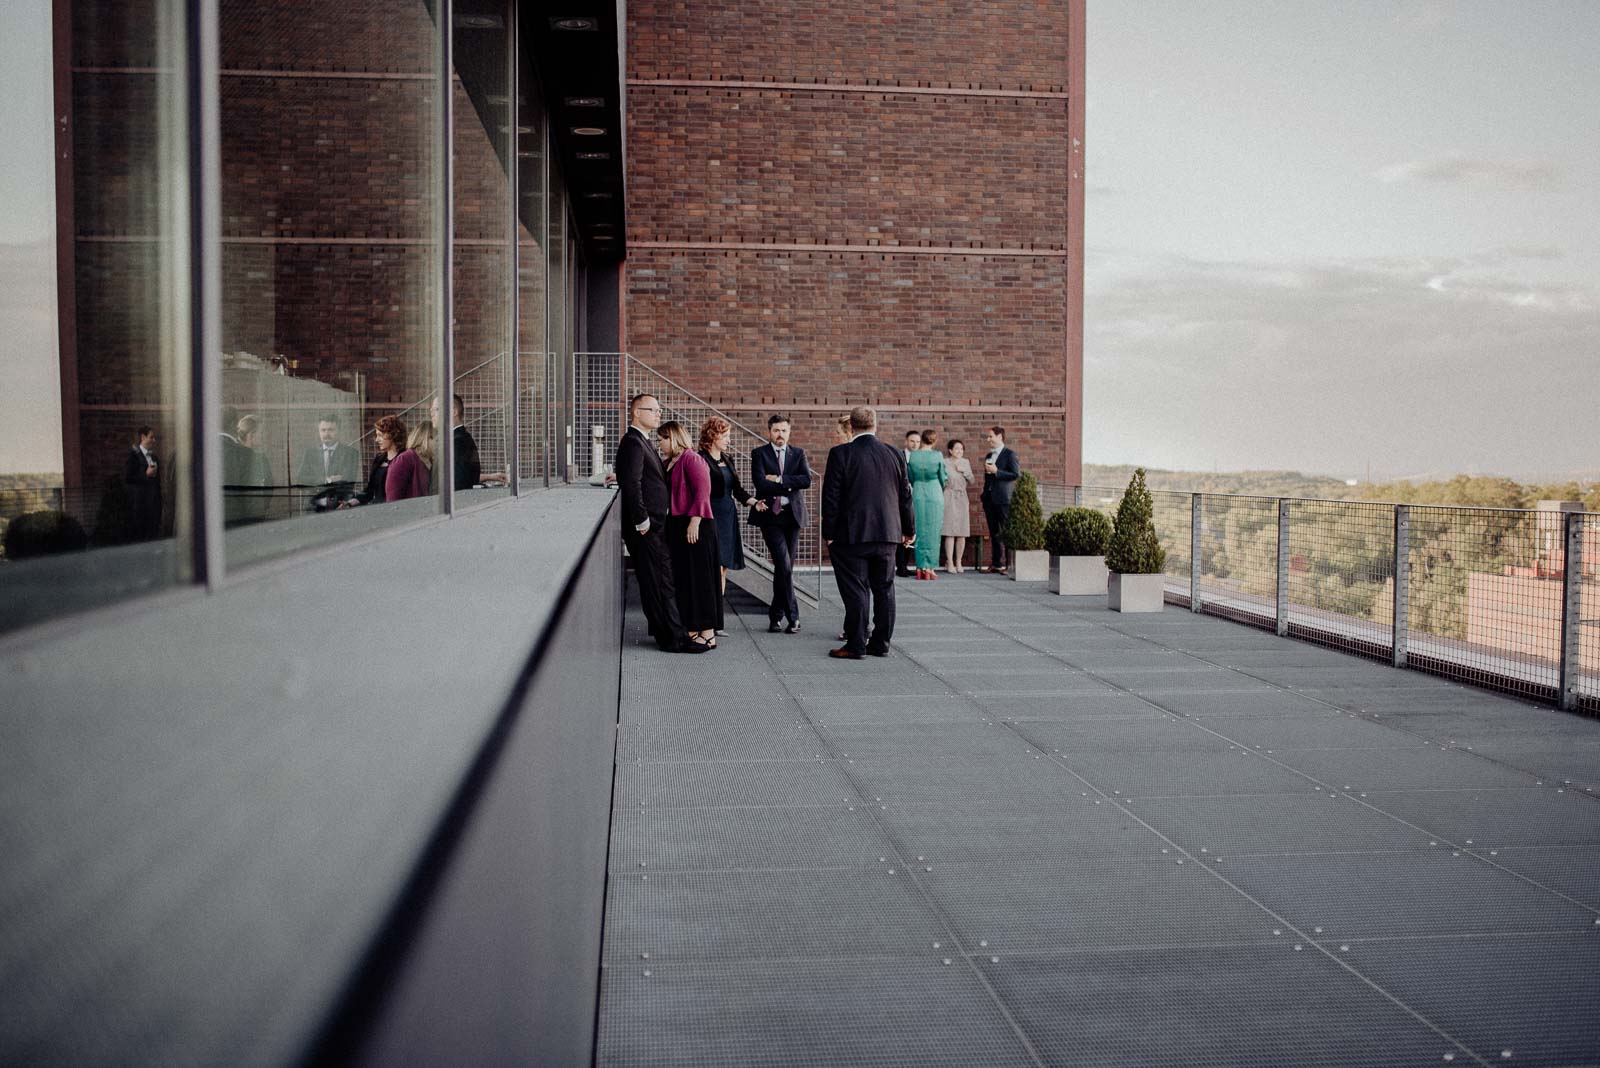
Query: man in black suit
x=1000 y=471
x=468 y=465
x=866 y=512
x=780 y=473
x=903 y=553
x=646 y=499
x=141 y=480
x=330 y=461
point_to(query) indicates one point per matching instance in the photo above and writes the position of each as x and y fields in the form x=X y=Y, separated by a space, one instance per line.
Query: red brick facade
x=966 y=317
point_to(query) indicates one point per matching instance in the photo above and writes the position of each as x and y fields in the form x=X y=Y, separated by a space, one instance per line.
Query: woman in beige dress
x=957 y=518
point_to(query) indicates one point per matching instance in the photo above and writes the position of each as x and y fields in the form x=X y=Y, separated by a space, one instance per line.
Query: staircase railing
x=602 y=382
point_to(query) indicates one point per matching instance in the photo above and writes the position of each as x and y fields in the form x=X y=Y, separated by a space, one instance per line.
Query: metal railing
x=602 y=381
x=1503 y=598
x=486 y=395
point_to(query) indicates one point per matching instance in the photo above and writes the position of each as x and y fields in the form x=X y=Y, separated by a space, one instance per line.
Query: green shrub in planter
x=1023 y=530
x=1134 y=548
x=1077 y=532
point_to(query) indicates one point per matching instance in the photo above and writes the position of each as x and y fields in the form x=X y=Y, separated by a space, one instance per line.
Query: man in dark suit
x=330 y=461
x=1000 y=471
x=866 y=512
x=141 y=480
x=780 y=473
x=646 y=499
x=903 y=553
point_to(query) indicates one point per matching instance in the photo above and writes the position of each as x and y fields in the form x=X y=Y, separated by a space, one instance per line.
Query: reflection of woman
x=691 y=541
x=390 y=433
x=957 y=510
x=925 y=469
x=725 y=490
x=411 y=473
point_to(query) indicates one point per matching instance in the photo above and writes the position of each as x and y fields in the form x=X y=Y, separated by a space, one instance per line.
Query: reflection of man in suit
x=780 y=472
x=330 y=460
x=646 y=498
x=1000 y=471
x=141 y=480
x=866 y=513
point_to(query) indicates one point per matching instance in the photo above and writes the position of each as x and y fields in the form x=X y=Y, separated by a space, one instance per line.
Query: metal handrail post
x=1571 y=608
x=1196 y=516
x=1283 y=567
x=1077 y=496
x=1402 y=584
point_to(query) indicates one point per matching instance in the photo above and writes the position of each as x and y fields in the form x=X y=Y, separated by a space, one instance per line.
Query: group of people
x=680 y=501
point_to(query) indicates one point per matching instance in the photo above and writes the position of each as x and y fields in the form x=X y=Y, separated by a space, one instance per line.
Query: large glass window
x=533 y=174
x=485 y=141
x=332 y=265
x=93 y=364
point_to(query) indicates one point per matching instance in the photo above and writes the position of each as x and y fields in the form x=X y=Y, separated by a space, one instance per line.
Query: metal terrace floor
x=1043 y=833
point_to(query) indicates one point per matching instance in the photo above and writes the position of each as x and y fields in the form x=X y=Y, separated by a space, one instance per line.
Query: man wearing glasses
x=646 y=498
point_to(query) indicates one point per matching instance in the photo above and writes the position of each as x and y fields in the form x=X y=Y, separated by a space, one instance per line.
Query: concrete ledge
x=210 y=807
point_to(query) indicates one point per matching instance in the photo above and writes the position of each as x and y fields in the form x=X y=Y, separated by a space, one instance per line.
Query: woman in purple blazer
x=411 y=473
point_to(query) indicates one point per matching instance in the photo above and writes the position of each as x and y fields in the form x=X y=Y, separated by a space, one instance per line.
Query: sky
x=1341 y=237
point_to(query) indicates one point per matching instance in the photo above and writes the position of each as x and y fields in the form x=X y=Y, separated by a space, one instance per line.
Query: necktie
x=778 y=502
x=327 y=459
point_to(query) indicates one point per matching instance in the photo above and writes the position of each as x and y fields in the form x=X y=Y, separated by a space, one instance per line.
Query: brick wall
x=961 y=331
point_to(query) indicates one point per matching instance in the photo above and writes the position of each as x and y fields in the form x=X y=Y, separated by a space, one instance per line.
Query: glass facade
x=372 y=170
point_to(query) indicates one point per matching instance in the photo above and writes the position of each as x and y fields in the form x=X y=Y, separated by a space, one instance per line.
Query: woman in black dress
x=725 y=490
x=692 y=536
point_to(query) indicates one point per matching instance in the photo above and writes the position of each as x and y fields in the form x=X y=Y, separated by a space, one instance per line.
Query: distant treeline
x=1480 y=491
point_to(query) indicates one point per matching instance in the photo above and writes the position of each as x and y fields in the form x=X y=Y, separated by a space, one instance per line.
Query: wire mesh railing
x=1503 y=598
x=603 y=382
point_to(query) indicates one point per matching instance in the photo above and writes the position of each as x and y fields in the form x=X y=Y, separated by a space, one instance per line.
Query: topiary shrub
x=43 y=533
x=1077 y=532
x=1023 y=529
x=1134 y=548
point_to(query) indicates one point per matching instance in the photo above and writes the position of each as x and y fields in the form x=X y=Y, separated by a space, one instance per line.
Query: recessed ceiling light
x=479 y=22
x=603 y=237
x=597 y=196
x=586 y=101
x=603 y=226
x=520 y=129
x=589 y=131
x=574 y=24
x=593 y=155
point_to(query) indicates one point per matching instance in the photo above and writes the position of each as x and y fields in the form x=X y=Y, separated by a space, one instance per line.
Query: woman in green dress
x=925 y=468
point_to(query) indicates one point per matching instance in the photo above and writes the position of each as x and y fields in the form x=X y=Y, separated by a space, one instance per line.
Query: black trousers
x=865 y=574
x=657 y=595
x=995 y=513
x=783 y=541
x=902 y=559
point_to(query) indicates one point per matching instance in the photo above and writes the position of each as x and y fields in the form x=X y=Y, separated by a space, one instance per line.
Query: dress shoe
x=689 y=646
x=793 y=627
x=884 y=651
x=844 y=654
x=774 y=627
x=902 y=574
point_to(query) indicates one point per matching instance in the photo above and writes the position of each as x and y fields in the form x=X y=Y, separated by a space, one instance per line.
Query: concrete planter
x=1030 y=565
x=1135 y=593
x=1078 y=575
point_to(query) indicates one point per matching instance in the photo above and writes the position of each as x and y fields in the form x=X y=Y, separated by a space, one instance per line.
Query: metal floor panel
x=1120 y=735
x=1312 y=822
x=1425 y=767
x=717 y=741
x=1531 y=995
x=1107 y=903
x=892 y=709
x=1573 y=872
x=1224 y=1007
x=1539 y=816
x=1403 y=895
x=873 y=1014
x=702 y=839
x=1199 y=772
x=1335 y=730
x=733 y=782
x=1018 y=832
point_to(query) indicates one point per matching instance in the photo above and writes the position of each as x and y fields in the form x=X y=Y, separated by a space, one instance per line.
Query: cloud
x=1431 y=363
x=1466 y=170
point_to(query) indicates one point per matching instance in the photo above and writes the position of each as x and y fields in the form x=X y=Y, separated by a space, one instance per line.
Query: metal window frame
x=445 y=230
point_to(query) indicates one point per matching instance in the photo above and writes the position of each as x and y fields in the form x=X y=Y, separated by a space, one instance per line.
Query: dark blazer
x=469 y=469
x=729 y=487
x=344 y=466
x=795 y=476
x=642 y=481
x=144 y=494
x=999 y=486
x=865 y=495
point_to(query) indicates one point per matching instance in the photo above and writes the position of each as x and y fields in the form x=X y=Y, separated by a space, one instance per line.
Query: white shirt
x=778 y=450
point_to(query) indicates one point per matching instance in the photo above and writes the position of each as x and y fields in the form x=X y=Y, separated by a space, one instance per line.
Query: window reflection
x=92 y=446
x=331 y=265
